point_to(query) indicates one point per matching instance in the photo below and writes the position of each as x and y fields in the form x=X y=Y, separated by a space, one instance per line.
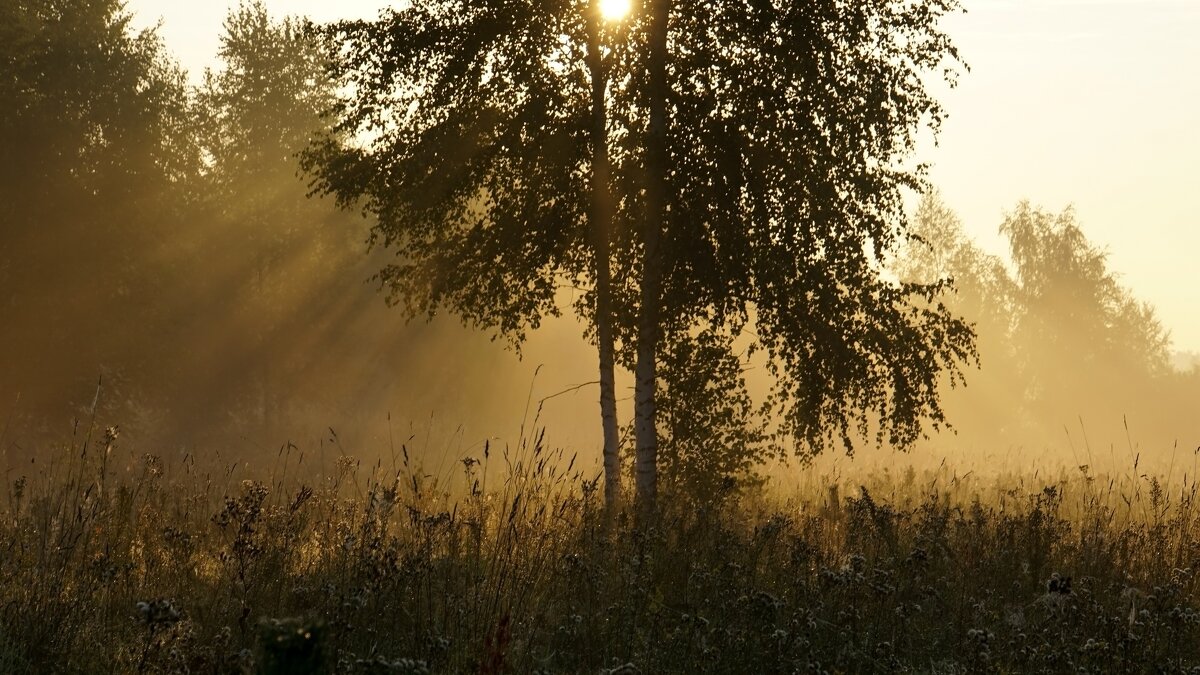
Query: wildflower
x=158 y=612
x=1059 y=584
x=1093 y=645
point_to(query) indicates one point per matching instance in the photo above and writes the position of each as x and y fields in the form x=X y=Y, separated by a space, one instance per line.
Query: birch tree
x=759 y=155
x=601 y=219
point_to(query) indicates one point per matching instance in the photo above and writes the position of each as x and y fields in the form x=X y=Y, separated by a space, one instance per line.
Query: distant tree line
x=1069 y=357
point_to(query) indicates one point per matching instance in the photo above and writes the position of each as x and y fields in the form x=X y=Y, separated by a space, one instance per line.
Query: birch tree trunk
x=648 y=329
x=601 y=227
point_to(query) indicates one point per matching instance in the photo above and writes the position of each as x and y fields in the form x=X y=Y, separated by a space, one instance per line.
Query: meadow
x=510 y=564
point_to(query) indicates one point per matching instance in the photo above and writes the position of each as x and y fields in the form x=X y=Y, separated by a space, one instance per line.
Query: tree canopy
x=791 y=128
x=470 y=147
x=784 y=138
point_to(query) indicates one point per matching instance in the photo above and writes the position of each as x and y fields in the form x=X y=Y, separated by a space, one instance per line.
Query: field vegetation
x=511 y=564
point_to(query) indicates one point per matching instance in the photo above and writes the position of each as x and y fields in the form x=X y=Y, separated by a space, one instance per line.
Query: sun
x=614 y=10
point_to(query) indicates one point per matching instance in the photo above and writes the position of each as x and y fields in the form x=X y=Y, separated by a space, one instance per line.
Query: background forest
x=159 y=235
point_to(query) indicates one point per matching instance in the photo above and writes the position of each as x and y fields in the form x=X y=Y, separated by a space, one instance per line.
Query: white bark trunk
x=601 y=227
x=650 y=317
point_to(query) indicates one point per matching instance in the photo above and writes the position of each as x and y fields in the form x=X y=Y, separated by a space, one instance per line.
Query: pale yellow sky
x=1094 y=103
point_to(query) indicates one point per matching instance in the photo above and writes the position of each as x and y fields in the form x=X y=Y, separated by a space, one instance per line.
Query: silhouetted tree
x=758 y=166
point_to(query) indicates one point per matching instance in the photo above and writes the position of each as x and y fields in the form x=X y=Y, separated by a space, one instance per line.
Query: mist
x=1075 y=370
x=165 y=267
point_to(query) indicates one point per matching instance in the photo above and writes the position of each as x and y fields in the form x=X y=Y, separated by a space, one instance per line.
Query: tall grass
x=511 y=565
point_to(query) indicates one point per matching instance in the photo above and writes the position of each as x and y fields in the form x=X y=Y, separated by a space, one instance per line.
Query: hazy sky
x=1094 y=103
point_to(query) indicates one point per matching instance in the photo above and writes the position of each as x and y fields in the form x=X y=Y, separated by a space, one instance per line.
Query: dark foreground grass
x=379 y=570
